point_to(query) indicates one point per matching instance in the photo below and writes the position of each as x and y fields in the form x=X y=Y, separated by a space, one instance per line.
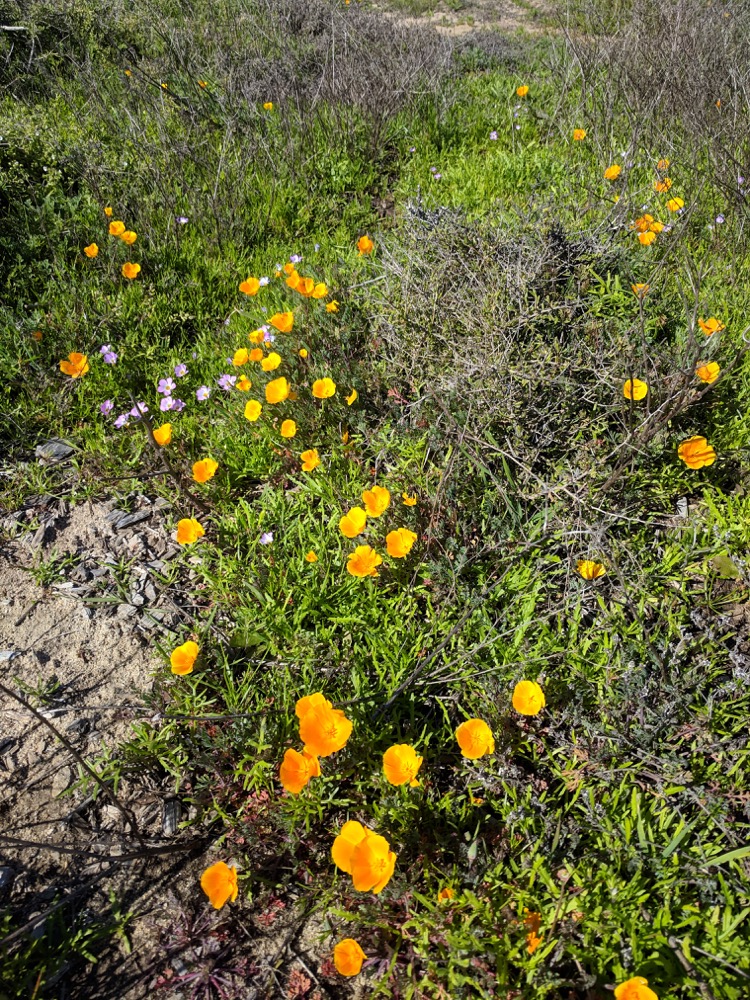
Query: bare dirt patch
x=456 y=20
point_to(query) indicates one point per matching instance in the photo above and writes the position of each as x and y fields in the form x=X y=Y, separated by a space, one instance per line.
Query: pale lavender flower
x=202 y=393
x=266 y=538
x=138 y=410
x=110 y=358
x=180 y=370
x=433 y=170
x=268 y=337
x=105 y=348
x=182 y=220
x=227 y=381
x=166 y=386
x=106 y=407
x=263 y=281
x=122 y=421
x=317 y=247
x=296 y=258
x=740 y=180
x=437 y=176
x=165 y=403
x=412 y=149
x=493 y=135
x=720 y=219
x=177 y=405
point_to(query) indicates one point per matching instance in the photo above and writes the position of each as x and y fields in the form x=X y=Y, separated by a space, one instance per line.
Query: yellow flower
x=711 y=325
x=277 y=390
x=323 y=388
x=76 y=365
x=663 y=185
x=696 y=452
x=352 y=833
x=108 y=211
x=399 y=542
x=352 y=397
x=662 y=165
x=219 y=882
x=130 y=271
x=288 y=429
x=640 y=290
x=675 y=204
x=589 y=569
x=271 y=362
x=310 y=460
x=613 y=172
x=293 y=280
x=268 y=106
x=528 y=698
x=183 y=657
x=376 y=500
x=305 y=286
x=303 y=352
x=365 y=245
x=373 y=863
x=647 y=238
x=348 y=957
x=320 y=291
x=475 y=739
x=241 y=357
x=129 y=237
x=163 y=434
x=634 y=389
x=249 y=286
x=324 y=730
x=116 y=228
x=253 y=410
x=332 y=306
x=202 y=84
x=579 y=134
x=283 y=322
x=401 y=763
x=256 y=354
x=311 y=557
x=353 y=523
x=244 y=384
x=188 y=531
x=128 y=72
x=204 y=470
x=522 y=91
x=91 y=250
x=707 y=371
x=256 y=337
x=445 y=894
x=409 y=501
x=165 y=86
x=362 y=561
x=636 y=988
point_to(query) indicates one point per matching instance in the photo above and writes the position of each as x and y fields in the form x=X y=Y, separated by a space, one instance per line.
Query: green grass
x=488 y=338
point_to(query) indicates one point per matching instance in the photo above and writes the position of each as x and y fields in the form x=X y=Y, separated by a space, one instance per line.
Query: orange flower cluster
x=364 y=855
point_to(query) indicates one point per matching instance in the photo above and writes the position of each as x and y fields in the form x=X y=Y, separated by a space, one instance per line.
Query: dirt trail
x=533 y=16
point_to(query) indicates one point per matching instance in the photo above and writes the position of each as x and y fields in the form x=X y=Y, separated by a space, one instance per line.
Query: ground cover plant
x=438 y=353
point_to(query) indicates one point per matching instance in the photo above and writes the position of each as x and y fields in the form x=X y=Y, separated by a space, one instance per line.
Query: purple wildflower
x=106 y=407
x=165 y=404
x=720 y=219
x=296 y=258
x=165 y=386
x=227 y=381
x=110 y=358
x=266 y=538
x=493 y=135
x=122 y=421
x=182 y=220
x=202 y=394
x=180 y=370
x=177 y=405
x=138 y=410
x=105 y=348
x=437 y=176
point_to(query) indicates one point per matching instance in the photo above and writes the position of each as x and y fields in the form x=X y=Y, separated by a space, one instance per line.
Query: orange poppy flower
x=399 y=542
x=376 y=500
x=475 y=739
x=663 y=185
x=522 y=91
x=696 y=452
x=363 y=561
x=129 y=237
x=310 y=459
x=636 y=988
x=640 y=290
x=528 y=698
x=373 y=863
x=163 y=434
x=348 y=957
x=256 y=354
x=663 y=164
x=188 y=531
x=288 y=429
x=108 y=211
x=589 y=569
x=579 y=134
x=91 y=250
x=183 y=658
x=219 y=882
x=204 y=470
x=352 y=834
x=306 y=286
x=332 y=306
x=131 y=271
x=365 y=245
x=711 y=325
x=240 y=357
x=324 y=730
x=271 y=362
x=675 y=204
x=256 y=336
x=707 y=371
x=283 y=322
x=634 y=389
x=250 y=286
x=308 y=702
x=297 y=769
x=277 y=390
x=303 y=352
x=401 y=764
x=647 y=238
x=445 y=894
x=244 y=384
x=311 y=557
x=323 y=388
x=320 y=291
x=116 y=228
x=613 y=172
x=253 y=410
x=293 y=280
x=76 y=365
x=268 y=106
x=353 y=523
x=409 y=501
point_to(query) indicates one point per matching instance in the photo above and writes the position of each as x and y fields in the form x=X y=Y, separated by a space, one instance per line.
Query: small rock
x=156 y=564
x=171 y=817
x=8 y=654
x=150 y=591
x=99 y=572
x=54 y=450
x=138 y=599
x=79 y=728
x=111 y=817
x=127 y=520
x=126 y=610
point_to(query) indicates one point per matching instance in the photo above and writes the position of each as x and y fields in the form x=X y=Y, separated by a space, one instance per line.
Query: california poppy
x=332 y=306
x=640 y=290
x=163 y=434
x=401 y=764
x=589 y=569
x=310 y=459
x=528 y=698
x=129 y=237
x=348 y=957
x=288 y=429
x=675 y=204
x=277 y=390
x=188 y=531
x=252 y=410
x=352 y=397
x=297 y=769
x=373 y=863
x=399 y=542
x=116 y=228
x=309 y=702
x=708 y=371
x=352 y=833
x=91 y=250
x=634 y=389
x=475 y=739
x=76 y=365
x=636 y=988
x=130 y=271
x=408 y=500
x=579 y=134
x=323 y=388
x=219 y=882
x=365 y=245
x=271 y=362
x=353 y=523
x=306 y=286
x=711 y=325
x=204 y=470
x=311 y=557
x=244 y=384
x=445 y=894
x=363 y=561
x=240 y=357
x=250 y=286
x=183 y=657
x=324 y=730
x=283 y=322
x=613 y=172
x=696 y=452
x=320 y=291
x=647 y=238
x=376 y=500
x=522 y=91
